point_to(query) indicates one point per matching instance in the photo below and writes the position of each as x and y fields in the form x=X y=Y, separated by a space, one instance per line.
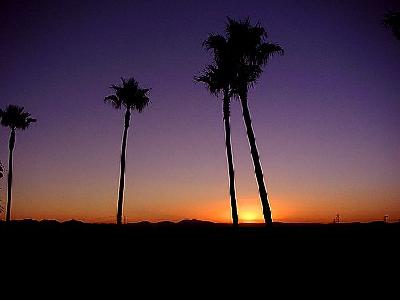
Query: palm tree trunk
x=122 y=168
x=256 y=160
x=11 y=144
x=229 y=157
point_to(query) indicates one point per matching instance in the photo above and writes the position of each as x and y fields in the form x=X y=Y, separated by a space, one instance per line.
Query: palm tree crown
x=238 y=58
x=249 y=52
x=392 y=21
x=14 y=117
x=217 y=76
x=129 y=95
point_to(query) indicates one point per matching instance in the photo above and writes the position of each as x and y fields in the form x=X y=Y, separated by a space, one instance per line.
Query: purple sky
x=325 y=115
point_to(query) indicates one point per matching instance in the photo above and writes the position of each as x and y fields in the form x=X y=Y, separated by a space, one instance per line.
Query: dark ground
x=157 y=251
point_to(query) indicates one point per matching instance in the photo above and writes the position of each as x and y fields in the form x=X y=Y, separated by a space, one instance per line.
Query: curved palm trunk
x=122 y=168
x=11 y=144
x=256 y=160
x=229 y=157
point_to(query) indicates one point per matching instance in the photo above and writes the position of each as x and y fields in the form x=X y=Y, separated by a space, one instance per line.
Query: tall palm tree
x=14 y=118
x=130 y=96
x=250 y=54
x=1 y=176
x=217 y=78
x=392 y=20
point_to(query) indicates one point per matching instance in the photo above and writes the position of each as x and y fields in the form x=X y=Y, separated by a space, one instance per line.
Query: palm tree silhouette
x=250 y=53
x=14 y=118
x=392 y=20
x=1 y=176
x=217 y=79
x=130 y=96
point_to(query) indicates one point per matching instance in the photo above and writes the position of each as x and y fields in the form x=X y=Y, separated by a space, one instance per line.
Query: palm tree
x=250 y=53
x=14 y=118
x=392 y=21
x=217 y=79
x=130 y=96
x=1 y=176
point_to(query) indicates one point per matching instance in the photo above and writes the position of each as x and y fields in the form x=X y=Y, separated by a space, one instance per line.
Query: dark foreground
x=193 y=247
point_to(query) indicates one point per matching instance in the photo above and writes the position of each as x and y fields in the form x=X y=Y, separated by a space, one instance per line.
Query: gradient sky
x=325 y=115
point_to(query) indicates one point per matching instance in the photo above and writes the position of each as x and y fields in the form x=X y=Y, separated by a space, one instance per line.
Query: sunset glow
x=250 y=217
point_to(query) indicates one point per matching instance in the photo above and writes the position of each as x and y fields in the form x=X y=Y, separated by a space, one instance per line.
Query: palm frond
x=218 y=45
x=215 y=42
x=265 y=51
x=26 y=123
x=215 y=79
x=142 y=99
x=113 y=100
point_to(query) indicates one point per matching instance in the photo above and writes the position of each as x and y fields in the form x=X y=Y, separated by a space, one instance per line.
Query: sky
x=325 y=115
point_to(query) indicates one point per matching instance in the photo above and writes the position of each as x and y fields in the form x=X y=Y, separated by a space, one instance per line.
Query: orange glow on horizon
x=284 y=209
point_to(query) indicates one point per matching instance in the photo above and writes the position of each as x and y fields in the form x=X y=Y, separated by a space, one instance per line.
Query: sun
x=249 y=217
